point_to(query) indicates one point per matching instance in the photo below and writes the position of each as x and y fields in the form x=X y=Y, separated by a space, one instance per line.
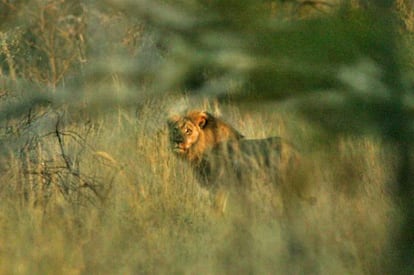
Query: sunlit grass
x=137 y=209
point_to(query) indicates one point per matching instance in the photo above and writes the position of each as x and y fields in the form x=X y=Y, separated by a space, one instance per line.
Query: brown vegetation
x=88 y=181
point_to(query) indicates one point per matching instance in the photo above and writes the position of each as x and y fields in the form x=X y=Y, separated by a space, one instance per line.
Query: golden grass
x=128 y=206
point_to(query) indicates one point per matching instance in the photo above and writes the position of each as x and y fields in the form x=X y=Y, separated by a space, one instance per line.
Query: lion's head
x=196 y=132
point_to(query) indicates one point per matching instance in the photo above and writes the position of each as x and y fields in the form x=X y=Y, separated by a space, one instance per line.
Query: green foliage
x=89 y=184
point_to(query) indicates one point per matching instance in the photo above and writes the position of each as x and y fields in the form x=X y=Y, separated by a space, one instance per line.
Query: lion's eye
x=188 y=131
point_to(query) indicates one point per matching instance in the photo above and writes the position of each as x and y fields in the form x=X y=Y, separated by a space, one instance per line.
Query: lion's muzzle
x=179 y=148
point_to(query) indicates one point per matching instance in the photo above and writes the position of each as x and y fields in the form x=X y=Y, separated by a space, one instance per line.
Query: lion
x=219 y=154
x=222 y=158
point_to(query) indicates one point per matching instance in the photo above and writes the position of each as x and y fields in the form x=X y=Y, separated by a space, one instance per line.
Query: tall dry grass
x=106 y=196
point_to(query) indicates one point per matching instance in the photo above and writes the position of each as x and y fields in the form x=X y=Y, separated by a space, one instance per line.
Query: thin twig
x=62 y=150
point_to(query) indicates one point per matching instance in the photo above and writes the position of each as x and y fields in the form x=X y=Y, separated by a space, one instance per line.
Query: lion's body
x=242 y=161
x=220 y=155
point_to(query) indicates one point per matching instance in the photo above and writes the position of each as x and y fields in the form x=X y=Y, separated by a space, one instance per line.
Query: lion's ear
x=202 y=119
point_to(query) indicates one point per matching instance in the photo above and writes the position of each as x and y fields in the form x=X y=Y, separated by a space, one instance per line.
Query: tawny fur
x=207 y=132
x=219 y=154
